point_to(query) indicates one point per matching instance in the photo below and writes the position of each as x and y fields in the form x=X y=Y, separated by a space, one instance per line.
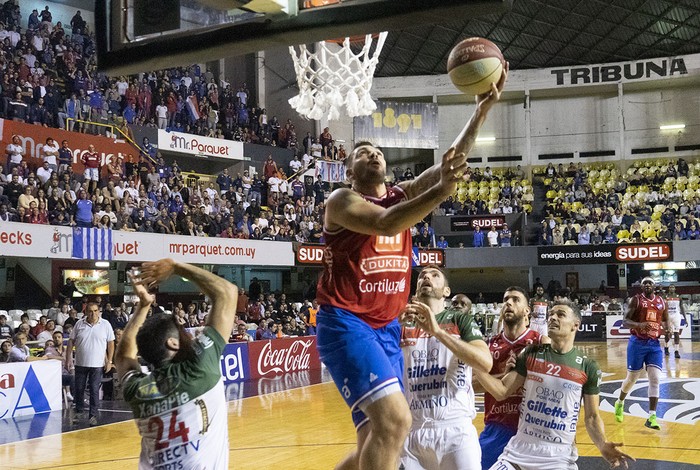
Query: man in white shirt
x=295 y=165
x=162 y=115
x=316 y=150
x=50 y=153
x=93 y=339
x=44 y=173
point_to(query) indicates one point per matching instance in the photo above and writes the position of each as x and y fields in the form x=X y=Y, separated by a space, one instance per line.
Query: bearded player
x=366 y=282
x=501 y=417
x=645 y=315
x=556 y=378
x=440 y=353
x=180 y=406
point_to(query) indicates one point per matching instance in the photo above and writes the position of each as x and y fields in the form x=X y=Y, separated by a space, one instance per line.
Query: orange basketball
x=474 y=64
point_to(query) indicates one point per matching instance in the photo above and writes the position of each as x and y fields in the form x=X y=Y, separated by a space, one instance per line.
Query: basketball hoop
x=329 y=79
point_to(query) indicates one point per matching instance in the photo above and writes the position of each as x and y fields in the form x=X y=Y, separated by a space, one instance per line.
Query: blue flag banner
x=330 y=172
x=92 y=243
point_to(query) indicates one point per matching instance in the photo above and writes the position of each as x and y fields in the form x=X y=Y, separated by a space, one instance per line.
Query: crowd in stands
x=652 y=201
x=49 y=78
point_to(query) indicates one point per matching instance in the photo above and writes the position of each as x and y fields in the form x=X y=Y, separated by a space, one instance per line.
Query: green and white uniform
x=438 y=388
x=554 y=387
x=180 y=410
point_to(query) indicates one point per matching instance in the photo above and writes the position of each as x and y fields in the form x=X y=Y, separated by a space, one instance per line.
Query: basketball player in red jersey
x=501 y=417
x=645 y=314
x=366 y=282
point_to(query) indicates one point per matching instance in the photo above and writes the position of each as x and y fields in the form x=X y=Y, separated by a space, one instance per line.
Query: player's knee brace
x=654 y=379
x=630 y=380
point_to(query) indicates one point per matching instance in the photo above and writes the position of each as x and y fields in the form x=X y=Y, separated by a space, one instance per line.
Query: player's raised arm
x=500 y=388
x=596 y=431
x=223 y=294
x=125 y=358
x=474 y=353
x=347 y=209
x=464 y=142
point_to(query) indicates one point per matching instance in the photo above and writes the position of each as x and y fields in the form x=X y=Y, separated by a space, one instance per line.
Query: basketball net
x=330 y=79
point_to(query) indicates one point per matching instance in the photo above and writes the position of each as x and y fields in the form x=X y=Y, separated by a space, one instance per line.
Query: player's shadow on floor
x=598 y=463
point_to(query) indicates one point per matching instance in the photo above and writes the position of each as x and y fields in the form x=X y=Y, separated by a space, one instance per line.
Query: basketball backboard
x=138 y=35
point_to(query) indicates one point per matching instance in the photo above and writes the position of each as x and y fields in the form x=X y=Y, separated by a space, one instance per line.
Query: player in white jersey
x=439 y=353
x=539 y=305
x=675 y=314
x=179 y=407
x=555 y=377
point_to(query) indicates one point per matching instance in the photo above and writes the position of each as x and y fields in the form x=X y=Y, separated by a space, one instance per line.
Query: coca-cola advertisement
x=279 y=356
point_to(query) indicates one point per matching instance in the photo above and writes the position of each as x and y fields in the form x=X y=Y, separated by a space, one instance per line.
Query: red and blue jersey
x=368 y=275
x=649 y=310
x=506 y=412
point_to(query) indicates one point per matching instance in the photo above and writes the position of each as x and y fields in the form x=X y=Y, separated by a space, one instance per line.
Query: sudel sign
x=643 y=253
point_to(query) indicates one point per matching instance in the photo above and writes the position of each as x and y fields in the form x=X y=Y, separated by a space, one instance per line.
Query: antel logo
x=310 y=254
x=643 y=253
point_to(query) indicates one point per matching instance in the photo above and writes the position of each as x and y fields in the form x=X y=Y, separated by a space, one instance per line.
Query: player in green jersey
x=180 y=406
x=555 y=378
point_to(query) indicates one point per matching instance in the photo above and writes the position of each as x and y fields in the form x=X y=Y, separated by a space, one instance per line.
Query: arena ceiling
x=554 y=33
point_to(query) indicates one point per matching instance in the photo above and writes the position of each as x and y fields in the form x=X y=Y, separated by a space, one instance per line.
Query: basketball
x=474 y=64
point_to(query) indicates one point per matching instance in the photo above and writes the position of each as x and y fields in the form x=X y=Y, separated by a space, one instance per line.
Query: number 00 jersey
x=554 y=386
x=506 y=412
x=438 y=386
x=180 y=410
x=368 y=275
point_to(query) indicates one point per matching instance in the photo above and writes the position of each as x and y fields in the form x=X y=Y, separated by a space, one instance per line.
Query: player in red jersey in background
x=366 y=282
x=645 y=315
x=501 y=417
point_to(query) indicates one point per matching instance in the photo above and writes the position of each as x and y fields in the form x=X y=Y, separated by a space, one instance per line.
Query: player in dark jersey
x=179 y=407
x=554 y=377
x=366 y=282
x=645 y=315
x=501 y=417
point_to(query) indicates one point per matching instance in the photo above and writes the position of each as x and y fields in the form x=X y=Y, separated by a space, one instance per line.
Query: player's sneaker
x=651 y=423
x=677 y=355
x=619 y=410
x=666 y=352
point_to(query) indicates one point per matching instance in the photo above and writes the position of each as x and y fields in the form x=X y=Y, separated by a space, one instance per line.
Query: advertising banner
x=310 y=254
x=35 y=241
x=199 y=146
x=421 y=257
x=592 y=328
x=28 y=388
x=404 y=125
x=602 y=254
x=47 y=241
x=34 y=137
x=466 y=223
x=279 y=356
x=615 y=328
x=235 y=363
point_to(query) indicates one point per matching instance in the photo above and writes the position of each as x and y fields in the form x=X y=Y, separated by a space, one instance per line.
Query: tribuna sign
x=612 y=73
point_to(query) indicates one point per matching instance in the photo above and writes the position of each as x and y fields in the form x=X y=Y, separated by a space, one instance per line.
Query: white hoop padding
x=329 y=80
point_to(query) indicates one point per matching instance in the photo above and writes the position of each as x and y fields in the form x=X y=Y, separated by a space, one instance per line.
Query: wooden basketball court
x=310 y=427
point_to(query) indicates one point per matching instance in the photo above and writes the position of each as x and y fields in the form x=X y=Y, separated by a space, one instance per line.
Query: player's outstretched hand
x=145 y=297
x=425 y=319
x=615 y=458
x=452 y=170
x=155 y=272
x=491 y=97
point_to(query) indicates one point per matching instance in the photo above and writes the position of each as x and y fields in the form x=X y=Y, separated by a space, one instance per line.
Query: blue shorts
x=641 y=352
x=365 y=363
x=493 y=440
